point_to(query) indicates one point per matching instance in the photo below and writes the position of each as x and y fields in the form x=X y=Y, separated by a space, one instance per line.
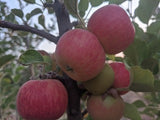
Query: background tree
x=21 y=31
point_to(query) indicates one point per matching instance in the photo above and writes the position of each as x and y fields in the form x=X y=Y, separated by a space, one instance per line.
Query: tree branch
x=27 y=28
x=62 y=16
x=74 y=93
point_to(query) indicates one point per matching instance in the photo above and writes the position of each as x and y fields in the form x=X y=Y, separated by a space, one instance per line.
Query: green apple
x=102 y=82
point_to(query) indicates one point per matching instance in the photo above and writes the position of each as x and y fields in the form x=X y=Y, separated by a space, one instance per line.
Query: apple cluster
x=81 y=54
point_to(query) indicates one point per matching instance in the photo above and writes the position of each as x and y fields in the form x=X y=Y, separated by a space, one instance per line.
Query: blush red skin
x=113 y=28
x=42 y=100
x=82 y=52
x=99 y=110
x=122 y=76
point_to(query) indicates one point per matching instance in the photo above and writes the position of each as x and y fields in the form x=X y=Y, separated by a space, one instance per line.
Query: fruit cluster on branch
x=81 y=56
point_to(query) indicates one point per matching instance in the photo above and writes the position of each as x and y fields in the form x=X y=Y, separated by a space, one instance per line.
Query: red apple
x=105 y=107
x=42 y=100
x=122 y=77
x=80 y=55
x=113 y=28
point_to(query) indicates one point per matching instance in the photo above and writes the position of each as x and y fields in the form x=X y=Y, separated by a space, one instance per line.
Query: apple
x=80 y=55
x=105 y=107
x=42 y=99
x=122 y=77
x=113 y=28
x=102 y=82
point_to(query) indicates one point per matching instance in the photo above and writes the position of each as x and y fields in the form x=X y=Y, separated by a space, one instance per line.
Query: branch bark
x=64 y=24
x=42 y=33
x=62 y=16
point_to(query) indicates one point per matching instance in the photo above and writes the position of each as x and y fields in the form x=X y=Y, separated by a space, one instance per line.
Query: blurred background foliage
x=144 y=52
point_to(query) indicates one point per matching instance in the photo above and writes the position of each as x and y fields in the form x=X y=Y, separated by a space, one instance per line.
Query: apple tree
x=83 y=78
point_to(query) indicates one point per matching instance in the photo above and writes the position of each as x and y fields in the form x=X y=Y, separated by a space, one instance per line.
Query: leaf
x=50 y=11
x=153 y=44
x=71 y=6
x=41 y=20
x=131 y=112
x=145 y=9
x=95 y=3
x=139 y=104
x=83 y=6
x=18 y=12
x=28 y=16
x=152 y=64
x=154 y=28
x=116 y=1
x=5 y=59
x=139 y=33
x=136 y=52
x=143 y=80
x=150 y=111
x=10 y=17
x=31 y=57
x=157 y=85
x=30 y=1
x=35 y=12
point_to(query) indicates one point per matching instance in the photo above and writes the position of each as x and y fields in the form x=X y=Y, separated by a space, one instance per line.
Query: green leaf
x=12 y=106
x=154 y=28
x=31 y=57
x=10 y=17
x=18 y=12
x=143 y=80
x=152 y=64
x=30 y=1
x=139 y=104
x=41 y=20
x=135 y=53
x=157 y=85
x=139 y=33
x=83 y=6
x=153 y=44
x=95 y=3
x=145 y=9
x=150 y=111
x=116 y=1
x=71 y=6
x=35 y=12
x=131 y=112
x=5 y=59
x=28 y=16
x=50 y=11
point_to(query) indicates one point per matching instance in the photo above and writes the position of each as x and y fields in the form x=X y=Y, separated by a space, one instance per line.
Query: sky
x=49 y=46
